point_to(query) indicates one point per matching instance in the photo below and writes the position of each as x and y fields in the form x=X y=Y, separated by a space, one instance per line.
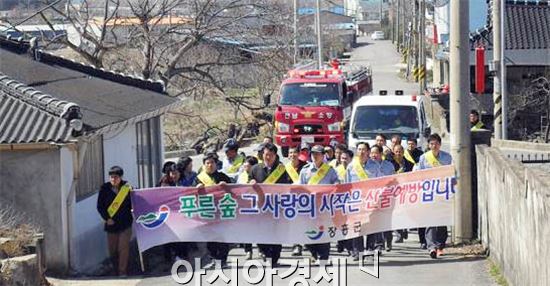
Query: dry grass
x=209 y=113
x=16 y=226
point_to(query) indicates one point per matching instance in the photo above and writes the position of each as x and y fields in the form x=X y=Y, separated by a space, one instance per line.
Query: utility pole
x=497 y=58
x=295 y=7
x=422 y=47
x=398 y=25
x=319 y=34
x=381 y=14
x=503 y=89
x=460 y=131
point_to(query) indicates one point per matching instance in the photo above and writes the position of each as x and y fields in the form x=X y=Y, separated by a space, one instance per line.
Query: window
x=371 y=120
x=91 y=172
x=149 y=150
x=310 y=94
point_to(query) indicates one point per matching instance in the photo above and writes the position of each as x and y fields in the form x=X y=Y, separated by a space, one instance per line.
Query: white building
x=62 y=126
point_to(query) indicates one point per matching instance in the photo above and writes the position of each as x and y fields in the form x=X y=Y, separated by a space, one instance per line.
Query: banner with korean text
x=289 y=214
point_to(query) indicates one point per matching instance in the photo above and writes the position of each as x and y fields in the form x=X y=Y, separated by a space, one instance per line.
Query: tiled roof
x=527 y=27
x=104 y=97
x=30 y=116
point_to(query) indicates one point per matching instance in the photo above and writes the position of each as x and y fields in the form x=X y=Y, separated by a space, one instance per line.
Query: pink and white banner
x=289 y=214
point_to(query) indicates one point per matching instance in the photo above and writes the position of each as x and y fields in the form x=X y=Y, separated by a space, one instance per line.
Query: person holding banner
x=357 y=171
x=115 y=207
x=346 y=156
x=270 y=171
x=436 y=236
x=381 y=168
x=231 y=165
x=412 y=153
x=401 y=165
x=210 y=176
x=243 y=178
x=318 y=173
x=293 y=168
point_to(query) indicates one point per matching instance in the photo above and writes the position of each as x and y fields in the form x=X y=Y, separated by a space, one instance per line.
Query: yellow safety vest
x=479 y=125
x=333 y=163
x=243 y=178
x=119 y=199
x=409 y=157
x=401 y=167
x=359 y=170
x=236 y=165
x=341 y=170
x=432 y=159
x=319 y=175
x=292 y=172
x=275 y=175
x=206 y=179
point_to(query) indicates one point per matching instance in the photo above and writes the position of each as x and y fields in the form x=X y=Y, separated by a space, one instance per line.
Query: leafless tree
x=95 y=23
x=533 y=100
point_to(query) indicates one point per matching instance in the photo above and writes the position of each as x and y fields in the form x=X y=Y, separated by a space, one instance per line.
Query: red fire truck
x=313 y=106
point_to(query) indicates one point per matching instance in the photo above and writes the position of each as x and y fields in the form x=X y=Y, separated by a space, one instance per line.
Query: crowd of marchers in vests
x=306 y=165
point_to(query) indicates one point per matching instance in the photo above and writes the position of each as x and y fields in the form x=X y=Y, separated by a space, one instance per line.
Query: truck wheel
x=284 y=150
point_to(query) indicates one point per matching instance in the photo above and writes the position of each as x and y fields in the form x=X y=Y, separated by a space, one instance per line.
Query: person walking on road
x=210 y=176
x=270 y=171
x=380 y=168
x=436 y=236
x=358 y=171
x=115 y=208
x=318 y=173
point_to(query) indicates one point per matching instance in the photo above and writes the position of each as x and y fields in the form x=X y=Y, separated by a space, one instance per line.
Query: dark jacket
x=408 y=166
x=217 y=177
x=259 y=173
x=123 y=217
x=416 y=153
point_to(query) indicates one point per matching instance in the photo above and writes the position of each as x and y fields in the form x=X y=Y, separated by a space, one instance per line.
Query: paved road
x=385 y=62
x=406 y=264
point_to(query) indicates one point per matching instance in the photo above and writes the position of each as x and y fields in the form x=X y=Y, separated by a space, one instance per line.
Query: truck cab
x=403 y=115
x=310 y=109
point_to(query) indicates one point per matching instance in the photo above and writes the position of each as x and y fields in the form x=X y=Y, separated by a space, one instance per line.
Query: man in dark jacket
x=210 y=176
x=270 y=171
x=114 y=206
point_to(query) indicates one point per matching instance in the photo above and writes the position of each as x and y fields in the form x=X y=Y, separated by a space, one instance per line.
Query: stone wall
x=514 y=215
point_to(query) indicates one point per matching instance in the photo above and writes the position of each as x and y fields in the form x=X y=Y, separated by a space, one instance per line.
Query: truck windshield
x=310 y=94
x=370 y=120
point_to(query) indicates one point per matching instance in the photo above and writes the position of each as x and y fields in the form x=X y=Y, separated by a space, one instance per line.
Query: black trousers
x=422 y=235
x=218 y=250
x=436 y=236
x=272 y=251
x=319 y=250
x=357 y=244
x=375 y=240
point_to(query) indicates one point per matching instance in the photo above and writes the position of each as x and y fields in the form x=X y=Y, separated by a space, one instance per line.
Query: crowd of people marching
x=306 y=165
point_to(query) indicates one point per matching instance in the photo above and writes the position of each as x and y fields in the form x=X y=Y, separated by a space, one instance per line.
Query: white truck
x=389 y=114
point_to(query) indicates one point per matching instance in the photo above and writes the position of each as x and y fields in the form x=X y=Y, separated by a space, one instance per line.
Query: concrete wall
x=119 y=148
x=88 y=240
x=89 y=247
x=30 y=180
x=514 y=211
